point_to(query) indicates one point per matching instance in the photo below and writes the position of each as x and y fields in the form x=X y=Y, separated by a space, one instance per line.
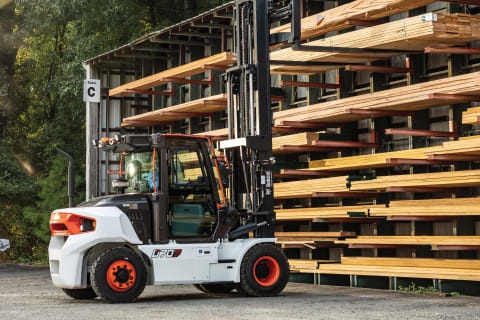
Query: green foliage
x=41 y=57
x=17 y=189
x=417 y=289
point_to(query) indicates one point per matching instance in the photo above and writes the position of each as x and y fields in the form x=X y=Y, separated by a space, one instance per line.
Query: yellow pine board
x=182 y=71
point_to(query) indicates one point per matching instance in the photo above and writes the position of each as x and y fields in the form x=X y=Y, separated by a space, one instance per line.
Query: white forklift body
x=171 y=263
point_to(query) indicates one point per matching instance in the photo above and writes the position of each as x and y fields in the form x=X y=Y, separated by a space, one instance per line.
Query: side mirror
x=224 y=173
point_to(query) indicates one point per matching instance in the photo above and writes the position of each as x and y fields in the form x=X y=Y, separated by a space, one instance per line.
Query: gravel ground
x=27 y=293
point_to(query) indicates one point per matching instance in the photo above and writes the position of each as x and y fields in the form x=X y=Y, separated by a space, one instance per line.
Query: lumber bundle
x=338 y=18
x=214 y=133
x=298 y=139
x=414 y=33
x=299 y=264
x=377 y=160
x=430 y=207
x=450 y=179
x=412 y=262
x=299 y=214
x=183 y=71
x=471 y=116
x=199 y=107
x=306 y=188
x=312 y=236
x=414 y=240
x=462 y=147
x=393 y=271
x=413 y=97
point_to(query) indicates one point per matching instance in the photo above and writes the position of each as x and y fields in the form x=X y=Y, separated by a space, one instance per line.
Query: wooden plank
x=413 y=262
x=452 y=179
x=393 y=271
x=183 y=71
x=429 y=207
x=378 y=160
x=413 y=240
x=337 y=18
x=408 y=98
x=414 y=33
x=200 y=107
x=299 y=214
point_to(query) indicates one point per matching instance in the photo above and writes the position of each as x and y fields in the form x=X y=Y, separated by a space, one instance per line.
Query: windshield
x=139 y=172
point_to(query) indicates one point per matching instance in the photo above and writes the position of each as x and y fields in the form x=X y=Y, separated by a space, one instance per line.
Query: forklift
x=181 y=213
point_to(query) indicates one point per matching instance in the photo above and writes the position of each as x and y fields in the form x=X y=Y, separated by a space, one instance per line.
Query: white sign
x=91 y=90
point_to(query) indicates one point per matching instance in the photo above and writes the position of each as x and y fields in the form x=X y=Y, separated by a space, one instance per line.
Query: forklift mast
x=249 y=144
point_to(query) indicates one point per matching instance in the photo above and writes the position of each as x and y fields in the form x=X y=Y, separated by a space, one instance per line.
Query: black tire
x=215 y=288
x=131 y=274
x=81 y=294
x=264 y=271
x=200 y=288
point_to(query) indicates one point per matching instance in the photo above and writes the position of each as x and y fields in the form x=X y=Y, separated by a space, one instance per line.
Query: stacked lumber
x=183 y=71
x=414 y=240
x=214 y=133
x=337 y=18
x=414 y=33
x=393 y=271
x=377 y=160
x=412 y=262
x=298 y=139
x=471 y=116
x=449 y=269
x=182 y=111
x=299 y=214
x=464 y=147
x=450 y=179
x=429 y=207
x=303 y=264
x=306 y=188
x=313 y=236
x=413 y=97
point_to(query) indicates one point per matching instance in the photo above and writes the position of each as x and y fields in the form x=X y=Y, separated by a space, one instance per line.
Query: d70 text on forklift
x=180 y=215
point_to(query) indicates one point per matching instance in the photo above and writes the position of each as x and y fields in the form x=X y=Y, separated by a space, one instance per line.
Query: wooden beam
x=182 y=71
x=293 y=173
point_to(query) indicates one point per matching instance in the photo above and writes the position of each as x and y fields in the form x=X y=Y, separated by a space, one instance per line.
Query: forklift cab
x=181 y=176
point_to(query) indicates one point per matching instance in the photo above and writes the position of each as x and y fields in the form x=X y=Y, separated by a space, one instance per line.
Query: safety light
x=67 y=224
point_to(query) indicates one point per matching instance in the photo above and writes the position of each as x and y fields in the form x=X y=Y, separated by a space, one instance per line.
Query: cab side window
x=191 y=213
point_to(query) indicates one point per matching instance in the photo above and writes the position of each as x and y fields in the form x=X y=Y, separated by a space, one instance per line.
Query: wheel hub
x=266 y=271
x=121 y=275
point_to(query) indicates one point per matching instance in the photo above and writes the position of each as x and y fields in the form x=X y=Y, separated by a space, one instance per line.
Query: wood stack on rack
x=430 y=207
x=415 y=97
x=414 y=33
x=471 y=116
x=449 y=179
x=450 y=269
x=345 y=202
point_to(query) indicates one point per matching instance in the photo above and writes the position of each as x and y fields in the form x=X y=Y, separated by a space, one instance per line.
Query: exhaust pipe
x=71 y=176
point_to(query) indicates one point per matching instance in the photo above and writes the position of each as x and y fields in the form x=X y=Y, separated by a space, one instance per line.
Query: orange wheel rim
x=121 y=275
x=266 y=271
